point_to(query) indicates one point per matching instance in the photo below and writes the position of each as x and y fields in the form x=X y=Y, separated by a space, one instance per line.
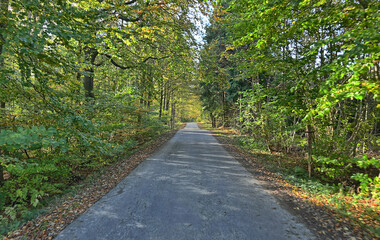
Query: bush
x=31 y=173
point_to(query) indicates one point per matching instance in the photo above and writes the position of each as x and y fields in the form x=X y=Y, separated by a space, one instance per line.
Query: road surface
x=190 y=189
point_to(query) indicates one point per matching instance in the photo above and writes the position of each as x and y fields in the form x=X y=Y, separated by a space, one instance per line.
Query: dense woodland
x=83 y=83
x=300 y=77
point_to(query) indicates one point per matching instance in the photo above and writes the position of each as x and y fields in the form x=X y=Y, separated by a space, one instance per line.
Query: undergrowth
x=292 y=170
x=41 y=185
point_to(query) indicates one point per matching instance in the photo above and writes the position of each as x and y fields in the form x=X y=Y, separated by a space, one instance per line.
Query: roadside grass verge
x=291 y=170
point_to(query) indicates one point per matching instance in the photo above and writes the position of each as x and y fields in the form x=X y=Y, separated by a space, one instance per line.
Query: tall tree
x=313 y=69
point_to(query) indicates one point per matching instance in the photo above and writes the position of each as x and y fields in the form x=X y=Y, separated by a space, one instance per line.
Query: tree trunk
x=1 y=175
x=167 y=100
x=88 y=80
x=161 y=98
x=224 y=110
x=309 y=133
x=88 y=84
x=2 y=112
x=3 y=25
x=213 y=122
x=139 y=114
x=172 y=119
x=148 y=101
x=164 y=98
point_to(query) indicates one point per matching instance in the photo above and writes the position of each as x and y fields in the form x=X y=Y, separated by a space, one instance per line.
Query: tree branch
x=98 y=64
x=130 y=2
x=154 y=58
x=128 y=67
x=116 y=64
x=119 y=66
x=129 y=19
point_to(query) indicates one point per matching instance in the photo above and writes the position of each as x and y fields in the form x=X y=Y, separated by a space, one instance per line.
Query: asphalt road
x=190 y=189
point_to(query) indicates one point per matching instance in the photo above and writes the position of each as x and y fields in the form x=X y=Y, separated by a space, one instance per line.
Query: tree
x=313 y=69
x=81 y=79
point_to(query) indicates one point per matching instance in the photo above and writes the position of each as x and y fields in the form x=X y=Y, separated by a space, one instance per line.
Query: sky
x=200 y=21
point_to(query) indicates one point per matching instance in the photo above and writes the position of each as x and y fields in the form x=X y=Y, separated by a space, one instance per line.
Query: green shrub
x=369 y=186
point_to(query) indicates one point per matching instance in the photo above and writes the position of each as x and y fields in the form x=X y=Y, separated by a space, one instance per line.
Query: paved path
x=191 y=189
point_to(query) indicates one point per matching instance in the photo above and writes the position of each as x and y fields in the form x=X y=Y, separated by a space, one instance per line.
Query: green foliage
x=311 y=185
x=332 y=168
x=369 y=187
x=268 y=122
x=29 y=182
x=252 y=144
x=343 y=169
x=302 y=78
x=31 y=176
x=365 y=162
x=84 y=83
x=33 y=138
